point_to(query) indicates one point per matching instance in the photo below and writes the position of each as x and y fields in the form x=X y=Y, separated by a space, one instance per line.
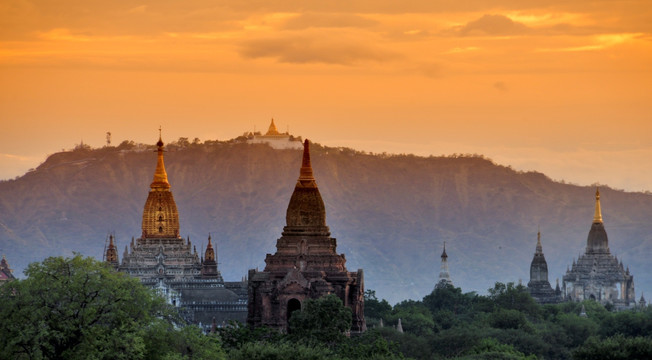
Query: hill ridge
x=390 y=213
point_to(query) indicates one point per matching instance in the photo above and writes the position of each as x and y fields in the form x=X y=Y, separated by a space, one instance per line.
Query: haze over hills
x=390 y=214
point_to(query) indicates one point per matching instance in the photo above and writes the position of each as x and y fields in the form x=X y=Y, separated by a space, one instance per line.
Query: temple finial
x=160 y=180
x=539 y=247
x=272 y=130
x=443 y=253
x=597 y=218
x=306 y=167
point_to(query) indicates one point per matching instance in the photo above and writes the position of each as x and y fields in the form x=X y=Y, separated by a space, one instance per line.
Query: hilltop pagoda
x=274 y=138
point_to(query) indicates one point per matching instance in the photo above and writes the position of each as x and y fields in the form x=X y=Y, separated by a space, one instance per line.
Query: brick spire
x=306 y=208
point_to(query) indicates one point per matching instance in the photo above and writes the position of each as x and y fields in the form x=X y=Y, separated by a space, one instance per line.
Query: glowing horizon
x=557 y=87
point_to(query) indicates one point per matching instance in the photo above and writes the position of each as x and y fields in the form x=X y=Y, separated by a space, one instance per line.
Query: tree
x=615 y=348
x=166 y=342
x=509 y=296
x=492 y=349
x=283 y=350
x=448 y=298
x=509 y=319
x=415 y=317
x=76 y=308
x=375 y=309
x=323 y=320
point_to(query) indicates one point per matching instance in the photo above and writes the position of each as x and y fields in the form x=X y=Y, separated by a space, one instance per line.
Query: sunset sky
x=561 y=87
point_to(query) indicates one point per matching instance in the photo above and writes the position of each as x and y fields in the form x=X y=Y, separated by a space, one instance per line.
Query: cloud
x=500 y=85
x=600 y=42
x=328 y=20
x=302 y=49
x=492 y=25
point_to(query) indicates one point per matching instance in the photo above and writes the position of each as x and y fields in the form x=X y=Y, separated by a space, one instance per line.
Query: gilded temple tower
x=160 y=216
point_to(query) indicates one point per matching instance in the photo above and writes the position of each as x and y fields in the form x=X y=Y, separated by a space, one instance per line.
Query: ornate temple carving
x=305 y=265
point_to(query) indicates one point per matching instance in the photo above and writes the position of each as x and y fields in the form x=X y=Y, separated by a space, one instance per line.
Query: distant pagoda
x=444 y=274
x=274 y=138
x=597 y=275
x=539 y=286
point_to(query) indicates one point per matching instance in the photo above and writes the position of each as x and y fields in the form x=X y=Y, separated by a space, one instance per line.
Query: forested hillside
x=390 y=214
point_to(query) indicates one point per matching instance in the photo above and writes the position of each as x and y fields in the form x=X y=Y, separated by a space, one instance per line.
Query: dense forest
x=390 y=213
x=79 y=308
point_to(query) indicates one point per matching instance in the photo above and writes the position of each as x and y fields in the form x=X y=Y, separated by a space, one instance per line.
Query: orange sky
x=562 y=87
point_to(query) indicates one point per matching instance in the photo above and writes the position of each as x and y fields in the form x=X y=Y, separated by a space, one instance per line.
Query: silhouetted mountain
x=390 y=214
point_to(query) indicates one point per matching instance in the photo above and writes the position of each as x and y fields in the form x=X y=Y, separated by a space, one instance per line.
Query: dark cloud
x=328 y=20
x=304 y=49
x=492 y=25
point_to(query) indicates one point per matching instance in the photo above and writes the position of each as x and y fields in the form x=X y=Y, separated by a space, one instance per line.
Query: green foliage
x=370 y=345
x=456 y=341
x=324 y=320
x=409 y=345
x=415 y=317
x=490 y=348
x=75 y=308
x=166 y=342
x=375 y=309
x=576 y=329
x=509 y=319
x=79 y=308
x=508 y=296
x=448 y=298
x=627 y=323
x=235 y=335
x=615 y=348
x=280 y=351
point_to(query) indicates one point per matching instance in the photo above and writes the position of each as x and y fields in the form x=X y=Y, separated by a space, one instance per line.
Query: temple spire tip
x=160 y=180
x=306 y=167
x=597 y=218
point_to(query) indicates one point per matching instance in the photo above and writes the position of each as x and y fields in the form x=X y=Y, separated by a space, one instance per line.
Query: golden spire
x=597 y=218
x=160 y=181
x=305 y=175
x=272 y=129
